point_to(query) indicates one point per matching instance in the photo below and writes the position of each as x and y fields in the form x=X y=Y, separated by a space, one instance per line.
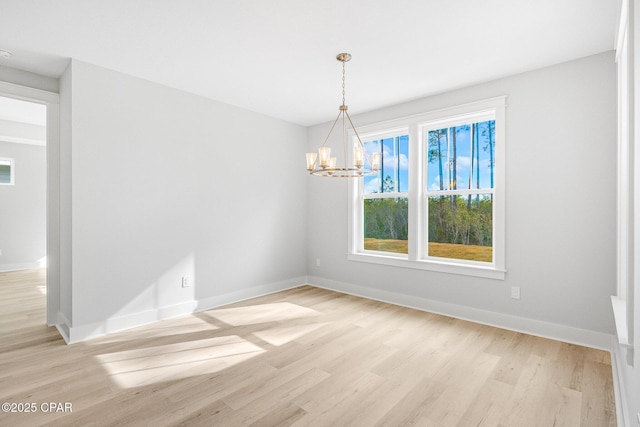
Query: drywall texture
x=560 y=202
x=166 y=185
x=23 y=207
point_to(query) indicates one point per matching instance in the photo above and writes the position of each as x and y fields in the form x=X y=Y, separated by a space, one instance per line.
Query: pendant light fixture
x=323 y=163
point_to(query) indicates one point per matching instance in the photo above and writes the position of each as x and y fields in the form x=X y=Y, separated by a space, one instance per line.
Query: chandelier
x=323 y=163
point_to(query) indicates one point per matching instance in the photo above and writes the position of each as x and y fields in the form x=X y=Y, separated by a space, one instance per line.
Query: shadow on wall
x=171 y=294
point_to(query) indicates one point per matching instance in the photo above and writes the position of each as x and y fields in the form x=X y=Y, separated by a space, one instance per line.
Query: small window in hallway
x=6 y=171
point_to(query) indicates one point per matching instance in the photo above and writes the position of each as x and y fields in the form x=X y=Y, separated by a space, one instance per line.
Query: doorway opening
x=23 y=209
x=25 y=204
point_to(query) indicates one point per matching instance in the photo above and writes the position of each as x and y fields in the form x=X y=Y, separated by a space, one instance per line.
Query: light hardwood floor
x=301 y=357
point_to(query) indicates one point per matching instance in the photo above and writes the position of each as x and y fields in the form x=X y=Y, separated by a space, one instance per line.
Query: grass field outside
x=386 y=245
x=443 y=250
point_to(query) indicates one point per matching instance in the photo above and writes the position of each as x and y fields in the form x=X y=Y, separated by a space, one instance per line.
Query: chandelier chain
x=343 y=79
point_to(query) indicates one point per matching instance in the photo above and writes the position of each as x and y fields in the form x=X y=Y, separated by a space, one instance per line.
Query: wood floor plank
x=302 y=357
x=488 y=406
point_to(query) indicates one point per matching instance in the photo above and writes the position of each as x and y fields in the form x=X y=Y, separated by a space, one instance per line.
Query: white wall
x=560 y=210
x=166 y=184
x=23 y=207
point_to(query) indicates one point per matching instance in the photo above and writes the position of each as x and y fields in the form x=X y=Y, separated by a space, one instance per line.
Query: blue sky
x=395 y=160
x=463 y=159
x=395 y=163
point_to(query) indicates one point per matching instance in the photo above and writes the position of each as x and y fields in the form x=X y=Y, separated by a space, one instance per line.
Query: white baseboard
x=77 y=333
x=63 y=326
x=20 y=266
x=253 y=292
x=564 y=333
x=539 y=328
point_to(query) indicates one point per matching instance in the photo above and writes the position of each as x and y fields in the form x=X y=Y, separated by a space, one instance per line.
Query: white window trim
x=12 y=176
x=626 y=163
x=496 y=269
x=359 y=229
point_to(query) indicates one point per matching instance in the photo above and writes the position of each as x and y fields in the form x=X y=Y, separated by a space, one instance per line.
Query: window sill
x=441 y=267
x=620 y=316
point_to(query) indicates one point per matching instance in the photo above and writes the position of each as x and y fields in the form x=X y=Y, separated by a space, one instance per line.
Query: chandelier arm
x=315 y=163
x=344 y=136
x=331 y=130
x=358 y=137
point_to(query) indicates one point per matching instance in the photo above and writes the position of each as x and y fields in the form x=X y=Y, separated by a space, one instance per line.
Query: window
x=6 y=171
x=438 y=201
x=385 y=196
x=459 y=194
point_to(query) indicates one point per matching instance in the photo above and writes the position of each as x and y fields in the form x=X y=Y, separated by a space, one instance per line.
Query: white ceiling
x=277 y=57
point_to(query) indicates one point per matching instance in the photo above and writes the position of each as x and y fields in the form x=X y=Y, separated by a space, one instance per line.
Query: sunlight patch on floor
x=284 y=335
x=190 y=357
x=145 y=366
x=261 y=313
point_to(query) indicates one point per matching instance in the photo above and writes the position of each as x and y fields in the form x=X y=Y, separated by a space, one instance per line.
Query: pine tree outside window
x=460 y=189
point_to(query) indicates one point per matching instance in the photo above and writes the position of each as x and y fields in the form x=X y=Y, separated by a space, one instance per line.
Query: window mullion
x=415 y=206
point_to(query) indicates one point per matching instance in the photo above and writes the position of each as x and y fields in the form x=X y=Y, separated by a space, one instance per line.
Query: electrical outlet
x=317 y=262
x=515 y=292
x=186 y=282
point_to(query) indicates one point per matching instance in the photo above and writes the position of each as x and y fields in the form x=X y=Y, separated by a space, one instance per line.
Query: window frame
x=388 y=133
x=623 y=301
x=418 y=221
x=12 y=171
x=425 y=128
